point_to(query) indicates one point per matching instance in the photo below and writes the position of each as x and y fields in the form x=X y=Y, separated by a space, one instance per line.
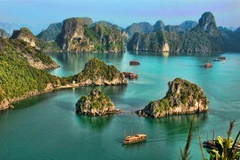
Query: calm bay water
x=46 y=126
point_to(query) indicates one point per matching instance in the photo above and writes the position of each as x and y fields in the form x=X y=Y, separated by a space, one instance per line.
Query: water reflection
x=73 y=63
x=144 y=53
x=166 y=54
x=180 y=123
x=33 y=101
x=112 y=91
x=135 y=145
x=96 y=123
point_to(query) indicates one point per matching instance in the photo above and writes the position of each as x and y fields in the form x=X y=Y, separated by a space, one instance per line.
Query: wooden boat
x=208 y=65
x=134 y=62
x=221 y=58
x=133 y=76
x=130 y=75
x=134 y=139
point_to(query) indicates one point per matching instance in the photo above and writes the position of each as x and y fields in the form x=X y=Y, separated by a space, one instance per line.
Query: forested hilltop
x=17 y=77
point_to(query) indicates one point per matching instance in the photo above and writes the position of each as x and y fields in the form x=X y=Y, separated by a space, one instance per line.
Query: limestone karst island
x=119 y=80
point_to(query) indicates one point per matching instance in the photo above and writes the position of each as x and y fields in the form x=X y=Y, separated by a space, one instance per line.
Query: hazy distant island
x=182 y=97
x=83 y=35
x=95 y=104
x=4 y=34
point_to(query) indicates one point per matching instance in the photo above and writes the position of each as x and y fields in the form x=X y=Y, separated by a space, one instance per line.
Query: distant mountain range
x=83 y=35
x=10 y=27
x=189 y=37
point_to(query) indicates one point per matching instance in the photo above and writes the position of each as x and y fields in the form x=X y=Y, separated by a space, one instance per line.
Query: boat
x=130 y=75
x=134 y=138
x=208 y=65
x=133 y=76
x=134 y=62
x=221 y=58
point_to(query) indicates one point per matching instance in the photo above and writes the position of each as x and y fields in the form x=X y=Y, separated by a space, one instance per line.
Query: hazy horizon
x=41 y=13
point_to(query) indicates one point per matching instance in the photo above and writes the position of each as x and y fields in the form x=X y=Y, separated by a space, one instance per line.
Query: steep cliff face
x=183 y=97
x=95 y=104
x=23 y=42
x=4 y=34
x=208 y=24
x=51 y=32
x=162 y=41
x=24 y=34
x=203 y=38
x=79 y=36
x=199 y=41
x=96 y=72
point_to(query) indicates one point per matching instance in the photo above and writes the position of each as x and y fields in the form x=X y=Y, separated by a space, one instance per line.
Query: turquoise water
x=46 y=126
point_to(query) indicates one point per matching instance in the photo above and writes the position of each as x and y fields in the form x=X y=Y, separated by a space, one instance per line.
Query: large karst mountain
x=83 y=35
x=79 y=36
x=203 y=38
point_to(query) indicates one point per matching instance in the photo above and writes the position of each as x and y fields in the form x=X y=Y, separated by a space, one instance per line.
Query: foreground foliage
x=224 y=147
x=17 y=77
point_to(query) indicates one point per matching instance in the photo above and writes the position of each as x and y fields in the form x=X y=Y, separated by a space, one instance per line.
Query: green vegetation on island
x=95 y=104
x=26 y=35
x=183 y=97
x=79 y=36
x=51 y=33
x=20 y=78
x=17 y=77
x=188 y=37
x=96 y=72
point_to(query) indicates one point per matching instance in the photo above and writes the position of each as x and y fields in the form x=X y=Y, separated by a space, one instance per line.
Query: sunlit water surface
x=47 y=127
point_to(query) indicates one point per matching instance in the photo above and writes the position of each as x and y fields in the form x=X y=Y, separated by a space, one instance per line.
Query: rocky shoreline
x=96 y=104
x=84 y=78
x=183 y=97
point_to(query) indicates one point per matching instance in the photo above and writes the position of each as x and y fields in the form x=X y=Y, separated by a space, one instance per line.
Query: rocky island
x=21 y=76
x=189 y=37
x=78 y=35
x=183 y=97
x=95 y=104
x=96 y=72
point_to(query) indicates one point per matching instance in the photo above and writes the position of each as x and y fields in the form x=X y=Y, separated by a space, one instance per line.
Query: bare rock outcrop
x=24 y=34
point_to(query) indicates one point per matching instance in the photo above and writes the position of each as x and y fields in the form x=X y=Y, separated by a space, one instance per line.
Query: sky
x=41 y=13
